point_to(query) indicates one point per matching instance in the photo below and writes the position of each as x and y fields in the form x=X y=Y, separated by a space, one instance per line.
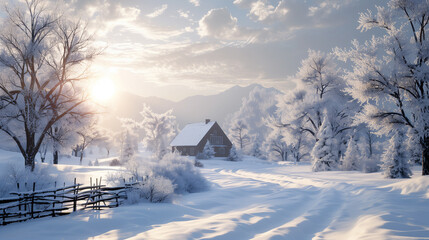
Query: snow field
x=255 y=199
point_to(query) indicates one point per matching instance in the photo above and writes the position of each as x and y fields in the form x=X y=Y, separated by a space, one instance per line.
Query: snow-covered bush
x=25 y=178
x=198 y=163
x=370 y=164
x=234 y=155
x=181 y=172
x=115 y=162
x=155 y=189
x=395 y=164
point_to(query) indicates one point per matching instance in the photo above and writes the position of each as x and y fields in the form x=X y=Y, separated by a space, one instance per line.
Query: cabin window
x=216 y=140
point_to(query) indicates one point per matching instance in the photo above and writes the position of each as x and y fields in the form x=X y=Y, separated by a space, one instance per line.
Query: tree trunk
x=425 y=157
x=29 y=161
x=55 y=161
x=81 y=156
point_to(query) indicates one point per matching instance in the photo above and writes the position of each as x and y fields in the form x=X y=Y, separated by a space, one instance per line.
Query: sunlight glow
x=103 y=90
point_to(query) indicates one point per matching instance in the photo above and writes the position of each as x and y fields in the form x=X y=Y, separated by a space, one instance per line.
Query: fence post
x=55 y=197
x=32 y=200
x=75 y=196
x=96 y=194
x=4 y=216
x=19 y=203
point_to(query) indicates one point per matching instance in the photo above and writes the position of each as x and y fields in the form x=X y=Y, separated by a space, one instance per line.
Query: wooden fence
x=22 y=206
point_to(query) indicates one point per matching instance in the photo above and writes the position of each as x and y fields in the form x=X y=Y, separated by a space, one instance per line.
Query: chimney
x=207 y=121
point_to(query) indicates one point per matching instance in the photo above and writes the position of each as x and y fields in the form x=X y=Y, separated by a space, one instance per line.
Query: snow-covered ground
x=255 y=199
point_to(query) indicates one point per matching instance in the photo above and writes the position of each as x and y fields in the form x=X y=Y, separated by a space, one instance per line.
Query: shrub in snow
x=96 y=163
x=234 y=155
x=350 y=161
x=90 y=163
x=181 y=172
x=395 y=164
x=155 y=189
x=207 y=153
x=115 y=162
x=198 y=163
x=370 y=164
x=324 y=154
x=15 y=175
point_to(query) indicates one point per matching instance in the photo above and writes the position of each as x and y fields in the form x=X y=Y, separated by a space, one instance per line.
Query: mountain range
x=196 y=108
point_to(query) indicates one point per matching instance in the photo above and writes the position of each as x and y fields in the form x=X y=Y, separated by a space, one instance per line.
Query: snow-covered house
x=193 y=137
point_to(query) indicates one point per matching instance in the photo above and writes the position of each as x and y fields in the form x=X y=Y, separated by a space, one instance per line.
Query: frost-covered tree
x=239 y=133
x=43 y=61
x=256 y=150
x=127 y=147
x=350 y=160
x=319 y=71
x=254 y=109
x=62 y=135
x=414 y=147
x=207 y=153
x=390 y=73
x=325 y=153
x=159 y=130
x=88 y=134
x=275 y=145
x=395 y=161
x=234 y=155
x=319 y=95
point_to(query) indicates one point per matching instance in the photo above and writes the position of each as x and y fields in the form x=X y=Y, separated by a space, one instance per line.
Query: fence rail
x=25 y=205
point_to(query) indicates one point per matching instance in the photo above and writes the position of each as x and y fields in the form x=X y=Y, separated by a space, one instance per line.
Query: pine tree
x=234 y=155
x=207 y=153
x=350 y=161
x=324 y=154
x=414 y=148
x=395 y=164
x=256 y=150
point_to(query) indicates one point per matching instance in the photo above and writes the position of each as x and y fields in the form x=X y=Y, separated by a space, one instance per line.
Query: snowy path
x=258 y=200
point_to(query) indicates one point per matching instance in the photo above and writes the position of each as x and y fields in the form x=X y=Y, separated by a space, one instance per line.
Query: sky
x=176 y=48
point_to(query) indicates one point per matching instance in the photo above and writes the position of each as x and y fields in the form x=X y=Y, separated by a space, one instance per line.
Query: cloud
x=195 y=2
x=262 y=11
x=296 y=14
x=158 y=11
x=327 y=7
x=218 y=23
x=183 y=14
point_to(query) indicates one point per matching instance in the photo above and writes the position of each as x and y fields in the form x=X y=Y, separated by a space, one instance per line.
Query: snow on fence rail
x=22 y=206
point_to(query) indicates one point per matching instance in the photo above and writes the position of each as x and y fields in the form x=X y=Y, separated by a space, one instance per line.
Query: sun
x=103 y=90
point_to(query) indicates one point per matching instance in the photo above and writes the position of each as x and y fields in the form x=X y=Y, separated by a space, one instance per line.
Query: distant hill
x=191 y=109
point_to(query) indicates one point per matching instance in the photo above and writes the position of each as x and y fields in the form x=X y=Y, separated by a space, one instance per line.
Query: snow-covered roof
x=192 y=134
